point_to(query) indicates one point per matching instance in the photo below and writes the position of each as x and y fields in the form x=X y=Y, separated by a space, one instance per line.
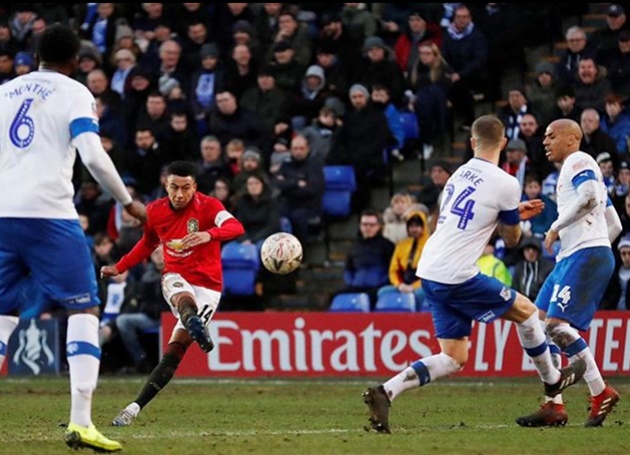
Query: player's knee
x=560 y=333
x=455 y=364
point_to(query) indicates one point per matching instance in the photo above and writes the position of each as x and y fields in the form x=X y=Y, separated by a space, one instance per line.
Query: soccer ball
x=281 y=253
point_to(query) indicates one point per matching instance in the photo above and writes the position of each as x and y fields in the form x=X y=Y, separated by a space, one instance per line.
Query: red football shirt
x=200 y=265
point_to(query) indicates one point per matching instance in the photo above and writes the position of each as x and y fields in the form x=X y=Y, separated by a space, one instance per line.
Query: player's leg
x=61 y=264
x=572 y=308
x=534 y=341
x=573 y=292
x=12 y=276
x=160 y=376
x=182 y=299
x=452 y=329
x=208 y=302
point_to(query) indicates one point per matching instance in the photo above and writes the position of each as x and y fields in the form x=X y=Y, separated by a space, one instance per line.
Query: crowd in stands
x=263 y=96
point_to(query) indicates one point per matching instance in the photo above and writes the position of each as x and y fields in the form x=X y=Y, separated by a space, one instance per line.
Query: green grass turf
x=309 y=417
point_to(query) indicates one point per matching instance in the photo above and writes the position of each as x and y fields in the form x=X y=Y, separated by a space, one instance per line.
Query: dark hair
x=182 y=169
x=58 y=44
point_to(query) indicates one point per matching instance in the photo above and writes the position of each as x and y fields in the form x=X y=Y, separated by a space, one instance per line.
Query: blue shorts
x=574 y=289
x=51 y=253
x=455 y=306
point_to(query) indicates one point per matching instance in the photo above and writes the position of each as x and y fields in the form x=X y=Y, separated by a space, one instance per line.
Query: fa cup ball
x=281 y=253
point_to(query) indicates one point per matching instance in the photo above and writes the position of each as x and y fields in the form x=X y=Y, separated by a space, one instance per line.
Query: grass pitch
x=304 y=417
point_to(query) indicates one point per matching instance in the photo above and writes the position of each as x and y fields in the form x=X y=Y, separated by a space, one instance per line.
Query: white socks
x=83 y=353
x=7 y=326
x=534 y=341
x=421 y=373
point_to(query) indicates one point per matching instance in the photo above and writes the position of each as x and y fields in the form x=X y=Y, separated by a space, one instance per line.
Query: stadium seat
x=396 y=302
x=340 y=183
x=351 y=302
x=241 y=264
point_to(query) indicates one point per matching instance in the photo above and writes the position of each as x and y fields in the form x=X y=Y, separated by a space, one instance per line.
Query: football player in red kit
x=191 y=227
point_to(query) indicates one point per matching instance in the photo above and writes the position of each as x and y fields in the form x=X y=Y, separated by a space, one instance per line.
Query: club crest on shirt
x=192 y=226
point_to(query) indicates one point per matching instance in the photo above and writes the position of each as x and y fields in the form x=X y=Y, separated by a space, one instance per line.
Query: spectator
x=566 y=104
x=358 y=21
x=379 y=67
x=205 y=82
x=139 y=84
x=531 y=269
x=301 y=185
x=616 y=123
x=224 y=17
x=517 y=162
x=541 y=93
x=171 y=71
x=605 y=38
x=404 y=261
x=502 y=24
x=288 y=71
x=334 y=34
x=591 y=85
x=578 y=48
x=101 y=28
x=196 y=37
x=98 y=83
x=181 y=139
x=124 y=62
x=512 y=113
x=295 y=34
x=270 y=102
x=155 y=115
x=416 y=31
x=148 y=19
x=251 y=164
x=319 y=134
x=229 y=120
x=595 y=140
x=222 y=192
x=336 y=71
x=615 y=61
x=394 y=221
x=234 y=151
x=244 y=33
x=257 y=210
x=431 y=192
x=367 y=262
x=617 y=295
x=362 y=138
x=146 y=314
x=622 y=186
x=382 y=100
x=266 y=23
x=492 y=266
x=465 y=47
x=540 y=223
x=533 y=134
x=431 y=85
x=310 y=98
x=241 y=70
x=607 y=168
x=146 y=159
x=23 y=63
x=111 y=121
x=212 y=165
x=125 y=40
x=8 y=42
